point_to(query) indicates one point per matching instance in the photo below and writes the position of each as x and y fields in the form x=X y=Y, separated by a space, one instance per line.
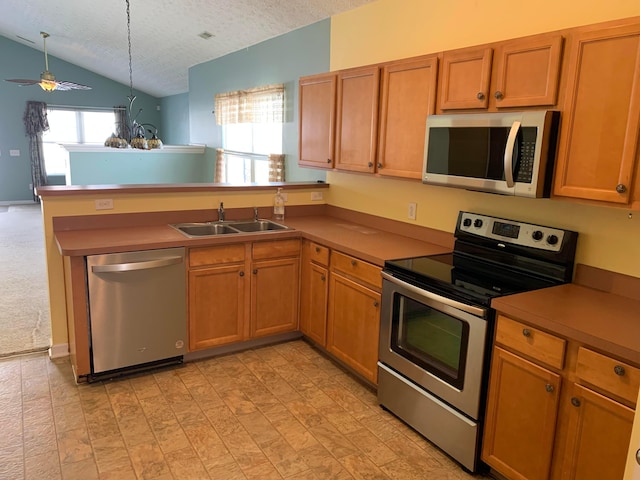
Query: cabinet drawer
x=609 y=374
x=201 y=256
x=530 y=341
x=318 y=254
x=357 y=269
x=275 y=249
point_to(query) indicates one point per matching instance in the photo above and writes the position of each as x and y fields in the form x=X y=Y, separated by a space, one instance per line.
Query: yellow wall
x=391 y=29
x=85 y=205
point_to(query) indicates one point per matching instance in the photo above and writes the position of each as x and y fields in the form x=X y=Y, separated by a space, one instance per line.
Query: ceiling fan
x=48 y=80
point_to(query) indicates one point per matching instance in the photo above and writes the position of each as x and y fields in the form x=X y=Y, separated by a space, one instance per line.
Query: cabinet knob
x=620 y=188
x=575 y=401
x=255 y=271
x=328 y=160
x=317 y=249
x=498 y=95
x=370 y=164
x=526 y=332
x=549 y=388
x=638 y=457
x=241 y=274
x=619 y=370
x=353 y=263
x=379 y=165
x=480 y=96
x=323 y=278
x=375 y=304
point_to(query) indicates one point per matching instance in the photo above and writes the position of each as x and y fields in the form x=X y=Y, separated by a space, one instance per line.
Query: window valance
x=257 y=105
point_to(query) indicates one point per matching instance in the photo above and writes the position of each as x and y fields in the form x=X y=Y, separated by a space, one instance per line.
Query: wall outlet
x=316 y=195
x=104 y=204
x=411 y=211
x=31 y=187
x=14 y=153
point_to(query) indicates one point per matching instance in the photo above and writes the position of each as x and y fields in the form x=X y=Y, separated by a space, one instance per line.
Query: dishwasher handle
x=130 y=267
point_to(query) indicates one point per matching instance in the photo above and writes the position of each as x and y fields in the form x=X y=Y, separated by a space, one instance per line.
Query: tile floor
x=283 y=411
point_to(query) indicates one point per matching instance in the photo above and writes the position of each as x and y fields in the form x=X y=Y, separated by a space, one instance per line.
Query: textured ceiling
x=164 y=33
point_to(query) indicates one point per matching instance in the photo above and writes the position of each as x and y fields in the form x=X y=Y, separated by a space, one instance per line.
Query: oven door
x=435 y=342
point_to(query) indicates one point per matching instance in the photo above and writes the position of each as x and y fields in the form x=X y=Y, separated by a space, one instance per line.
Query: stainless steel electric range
x=437 y=323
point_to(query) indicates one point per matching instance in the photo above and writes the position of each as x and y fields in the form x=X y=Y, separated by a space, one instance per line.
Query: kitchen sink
x=207 y=229
x=258 y=226
x=204 y=229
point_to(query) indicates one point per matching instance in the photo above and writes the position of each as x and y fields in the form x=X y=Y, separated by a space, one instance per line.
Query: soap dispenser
x=278 y=205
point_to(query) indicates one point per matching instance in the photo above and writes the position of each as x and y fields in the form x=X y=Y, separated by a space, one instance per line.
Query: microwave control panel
x=510 y=231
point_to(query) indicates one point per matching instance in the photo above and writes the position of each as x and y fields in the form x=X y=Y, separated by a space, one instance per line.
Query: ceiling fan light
x=47 y=85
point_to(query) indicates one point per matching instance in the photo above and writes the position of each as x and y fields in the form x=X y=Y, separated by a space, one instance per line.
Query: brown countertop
x=602 y=320
x=371 y=244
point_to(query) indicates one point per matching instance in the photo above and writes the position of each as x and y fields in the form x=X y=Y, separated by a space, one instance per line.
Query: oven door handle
x=477 y=311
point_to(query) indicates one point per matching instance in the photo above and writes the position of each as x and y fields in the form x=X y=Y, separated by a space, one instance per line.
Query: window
x=73 y=126
x=251 y=130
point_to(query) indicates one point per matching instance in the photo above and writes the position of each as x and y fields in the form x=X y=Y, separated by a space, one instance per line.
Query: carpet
x=25 y=324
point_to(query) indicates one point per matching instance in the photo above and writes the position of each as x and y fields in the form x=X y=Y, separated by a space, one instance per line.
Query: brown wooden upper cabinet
x=598 y=149
x=357 y=119
x=317 y=106
x=520 y=73
x=408 y=96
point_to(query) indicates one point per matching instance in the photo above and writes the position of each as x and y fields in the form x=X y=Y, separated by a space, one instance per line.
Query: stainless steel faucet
x=255 y=214
x=221 y=212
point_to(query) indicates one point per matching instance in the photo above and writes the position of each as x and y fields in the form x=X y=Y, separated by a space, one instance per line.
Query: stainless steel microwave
x=508 y=153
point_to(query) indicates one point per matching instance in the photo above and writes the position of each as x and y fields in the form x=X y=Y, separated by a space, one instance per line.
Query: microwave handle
x=508 y=154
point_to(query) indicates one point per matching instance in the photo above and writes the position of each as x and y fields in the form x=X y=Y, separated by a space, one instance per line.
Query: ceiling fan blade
x=71 y=86
x=23 y=82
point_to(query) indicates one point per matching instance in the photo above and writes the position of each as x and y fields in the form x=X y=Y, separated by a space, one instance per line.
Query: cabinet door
x=601 y=116
x=315 y=291
x=216 y=306
x=526 y=72
x=408 y=96
x=598 y=438
x=521 y=417
x=357 y=119
x=274 y=296
x=354 y=325
x=465 y=78
x=317 y=107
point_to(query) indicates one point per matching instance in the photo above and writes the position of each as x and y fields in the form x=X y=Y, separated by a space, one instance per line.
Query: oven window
x=431 y=339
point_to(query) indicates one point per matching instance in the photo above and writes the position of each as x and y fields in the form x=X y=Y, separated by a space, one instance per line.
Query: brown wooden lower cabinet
x=241 y=291
x=551 y=417
x=314 y=291
x=521 y=417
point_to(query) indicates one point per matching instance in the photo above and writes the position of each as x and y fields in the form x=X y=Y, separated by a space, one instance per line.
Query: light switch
x=14 y=153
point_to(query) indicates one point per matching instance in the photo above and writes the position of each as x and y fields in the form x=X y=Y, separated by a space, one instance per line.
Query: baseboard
x=60 y=350
x=8 y=203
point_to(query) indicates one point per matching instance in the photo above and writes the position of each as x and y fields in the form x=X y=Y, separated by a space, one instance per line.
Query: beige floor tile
x=372 y=447
x=226 y=472
x=337 y=444
x=361 y=468
x=83 y=470
x=287 y=461
x=111 y=454
x=259 y=427
x=245 y=451
x=74 y=446
x=148 y=461
x=39 y=439
x=43 y=466
x=185 y=465
x=12 y=462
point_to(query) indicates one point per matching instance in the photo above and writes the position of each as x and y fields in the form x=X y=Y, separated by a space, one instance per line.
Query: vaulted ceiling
x=165 y=34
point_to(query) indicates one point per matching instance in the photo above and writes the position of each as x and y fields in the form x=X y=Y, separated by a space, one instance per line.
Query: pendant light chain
x=129 y=41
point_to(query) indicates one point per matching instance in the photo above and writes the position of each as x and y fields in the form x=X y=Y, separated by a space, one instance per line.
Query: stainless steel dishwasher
x=137 y=310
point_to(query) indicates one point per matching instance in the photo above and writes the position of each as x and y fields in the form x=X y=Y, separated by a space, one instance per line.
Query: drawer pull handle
x=549 y=388
x=353 y=263
x=619 y=370
x=317 y=249
x=526 y=332
x=575 y=401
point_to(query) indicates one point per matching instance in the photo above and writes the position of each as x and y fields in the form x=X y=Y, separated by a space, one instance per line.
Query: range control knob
x=537 y=235
x=466 y=222
x=477 y=223
x=552 y=239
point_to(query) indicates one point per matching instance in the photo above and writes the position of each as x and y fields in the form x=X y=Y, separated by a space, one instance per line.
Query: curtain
x=219 y=173
x=35 y=122
x=122 y=123
x=257 y=105
x=276 y=167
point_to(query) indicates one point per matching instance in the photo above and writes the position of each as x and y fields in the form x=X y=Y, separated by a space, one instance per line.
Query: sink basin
x=204 y=229
x=233 y=227
x=258 y=226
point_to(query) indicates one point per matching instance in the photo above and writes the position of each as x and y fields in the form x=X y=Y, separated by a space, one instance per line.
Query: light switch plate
x=14 y=153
